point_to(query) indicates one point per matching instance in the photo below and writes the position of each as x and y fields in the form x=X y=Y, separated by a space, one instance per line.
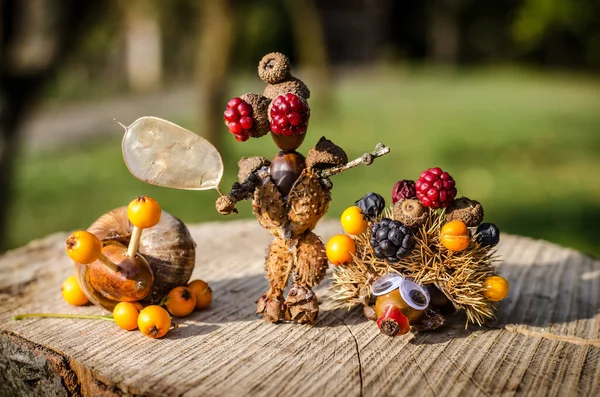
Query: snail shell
x=168 y=247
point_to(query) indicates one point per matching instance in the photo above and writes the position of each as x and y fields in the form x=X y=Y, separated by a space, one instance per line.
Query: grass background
x=525 y=144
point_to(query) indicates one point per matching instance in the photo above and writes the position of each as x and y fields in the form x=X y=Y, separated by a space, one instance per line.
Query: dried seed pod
x=274 y=68
x=302 y=305
x=248 y=165
x=325 y=154
x=466 y=210
x=311 y=260
x=269 y=209
x=272 y=309
x=411 y=212
x=306 y=203
x=259 y=104
x=168 y=248
x=280 y=260
x=430 y=321
x=293 y=85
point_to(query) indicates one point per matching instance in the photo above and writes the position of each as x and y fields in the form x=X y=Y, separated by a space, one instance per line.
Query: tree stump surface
x=545 y=341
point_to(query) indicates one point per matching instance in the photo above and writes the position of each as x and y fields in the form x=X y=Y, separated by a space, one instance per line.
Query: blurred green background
x=503 y=96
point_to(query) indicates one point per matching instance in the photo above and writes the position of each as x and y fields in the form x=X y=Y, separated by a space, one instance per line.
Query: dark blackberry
x=371 y=205
x=487 y=234
x=391 y=240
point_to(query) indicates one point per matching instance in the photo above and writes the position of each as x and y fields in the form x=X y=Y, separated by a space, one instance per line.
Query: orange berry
x=353 y=221
x=181 y=301
x=202 y=292
x=83 y=247
x=455 y=235
x=339 y=249
x=154 y=321
x=72 y=292
x=126 y=315
x=144 y=212
x=495 y=288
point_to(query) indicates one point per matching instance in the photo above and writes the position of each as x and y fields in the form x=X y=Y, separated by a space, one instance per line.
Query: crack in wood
x=360 y=375
x=550 y=336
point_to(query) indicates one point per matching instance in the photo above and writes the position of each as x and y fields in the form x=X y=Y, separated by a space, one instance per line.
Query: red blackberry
x=391 y=240
x=403 y=189
x=289 y=115
x=435 y=188
x=238 y=119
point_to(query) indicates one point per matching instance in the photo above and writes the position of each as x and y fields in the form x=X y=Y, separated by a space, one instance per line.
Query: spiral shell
x=168 y=247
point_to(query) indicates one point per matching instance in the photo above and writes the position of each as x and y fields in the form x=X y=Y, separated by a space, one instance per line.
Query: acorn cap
x=225 y=205
x=259 y=105
x=326 y=154
x=274 y=68
x=293 y=85
x=248 y=165
x=466 y=210
x=411 y=212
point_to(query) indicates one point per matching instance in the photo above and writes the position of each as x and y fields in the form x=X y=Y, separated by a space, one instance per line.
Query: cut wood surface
x=545 y=341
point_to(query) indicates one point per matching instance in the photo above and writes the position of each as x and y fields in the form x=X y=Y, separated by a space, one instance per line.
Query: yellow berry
x=339 y=249
x=203 y=293
x=455 y=235
x=495 y=288
x=72 y=292
x=144 y=212
x=83 y=247
x=353 y=221
x=154 y=321
x=126 y=315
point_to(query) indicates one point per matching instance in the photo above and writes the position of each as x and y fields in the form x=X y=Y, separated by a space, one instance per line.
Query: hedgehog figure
x=421 y=260
x=290 y=193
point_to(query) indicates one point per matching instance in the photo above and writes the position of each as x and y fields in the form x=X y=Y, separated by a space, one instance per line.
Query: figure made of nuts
x=290 y=193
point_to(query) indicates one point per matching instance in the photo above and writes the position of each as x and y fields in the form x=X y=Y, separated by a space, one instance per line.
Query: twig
x=60 y=315
x=366 y=159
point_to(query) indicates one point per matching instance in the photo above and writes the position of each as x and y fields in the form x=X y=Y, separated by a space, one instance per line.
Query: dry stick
x=367 y=159
x=134 y=243
x=108 y=263
x=59 y=315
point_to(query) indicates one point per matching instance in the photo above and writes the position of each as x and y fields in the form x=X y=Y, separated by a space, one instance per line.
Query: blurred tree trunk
x=443 y=35
x=35 y=37
x=143 y=53
x=310 y=45
x=212 y=65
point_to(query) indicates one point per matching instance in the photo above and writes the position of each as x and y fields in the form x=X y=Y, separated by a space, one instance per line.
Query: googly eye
x=386 y=284
x=415 y=295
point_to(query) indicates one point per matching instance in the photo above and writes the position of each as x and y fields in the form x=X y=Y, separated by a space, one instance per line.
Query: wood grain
x=545 y=341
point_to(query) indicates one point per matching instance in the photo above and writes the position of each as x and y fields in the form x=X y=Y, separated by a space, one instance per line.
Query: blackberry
x=403 y=189
x=371 y=205
x=391 y=240
x=487 y=234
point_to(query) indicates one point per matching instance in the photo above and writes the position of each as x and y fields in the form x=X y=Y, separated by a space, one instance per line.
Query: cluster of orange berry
x=154 y=320
x=341 y=247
